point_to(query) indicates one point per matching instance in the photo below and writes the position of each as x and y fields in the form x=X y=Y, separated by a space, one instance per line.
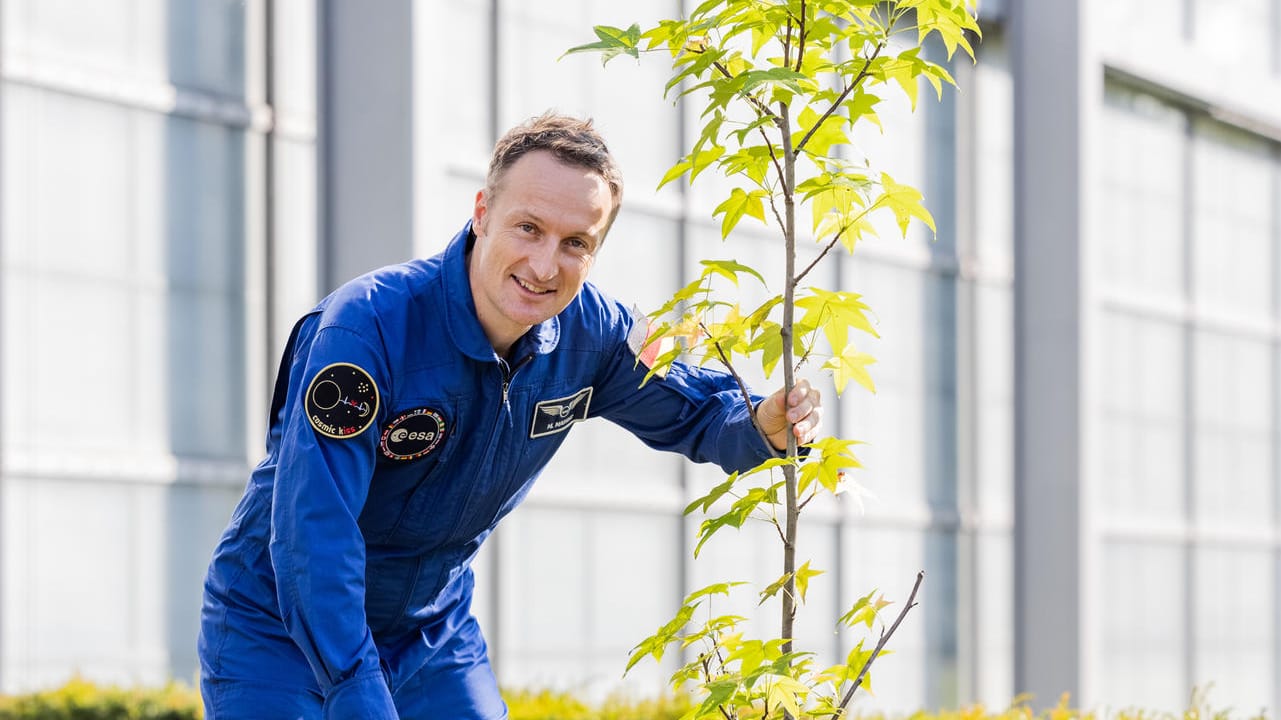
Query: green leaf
x=656 y=644
x=787 y=692
x=738 y=204
x=701 y=160
x=750 y=655
x=675 y=172
x=718 y=691
x=774 y=77
x=904 y=70
x=830 y=133
x=827 y=465
x=905 y=202
x=865 y=610
x=769 y=343
x=862 y=104
x=721 y=588
x=850 y=365
x=753 y=161
x=738 y=513
x=730 y=270
x=612 y=43
x=803 y=575
x=706 y=501
x=772 y=589
x=950 y=20
x=835 y=313
x=662 y=363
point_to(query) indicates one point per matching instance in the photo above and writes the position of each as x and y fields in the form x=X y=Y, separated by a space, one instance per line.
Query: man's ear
x=478 y=213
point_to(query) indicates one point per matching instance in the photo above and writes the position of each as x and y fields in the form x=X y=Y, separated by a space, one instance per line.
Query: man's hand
x=804 y=408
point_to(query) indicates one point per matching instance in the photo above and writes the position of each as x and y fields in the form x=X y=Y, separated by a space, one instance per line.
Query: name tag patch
x=414 y=434
x=341 y=401
x=554 y=416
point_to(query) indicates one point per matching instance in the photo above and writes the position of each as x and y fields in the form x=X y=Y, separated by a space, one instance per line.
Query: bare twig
x=837 y=103
x=880 y=645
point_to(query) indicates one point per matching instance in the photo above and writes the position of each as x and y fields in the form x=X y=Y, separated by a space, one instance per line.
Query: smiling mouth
x=530 y=288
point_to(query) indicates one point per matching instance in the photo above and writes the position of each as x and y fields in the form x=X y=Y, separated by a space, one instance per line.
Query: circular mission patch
x=414 y=434
x=342 y=401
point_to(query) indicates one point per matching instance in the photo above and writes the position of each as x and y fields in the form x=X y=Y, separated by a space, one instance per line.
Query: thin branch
x=787 y=43
x=832 y=243
x=862 y=74
x=777 y=168
x=774 y=209
x=800 y=40
x=779 y=528
x=885 y=637
x=742 y=389
x=761 y=107
x=835 y=239
x=807 y=500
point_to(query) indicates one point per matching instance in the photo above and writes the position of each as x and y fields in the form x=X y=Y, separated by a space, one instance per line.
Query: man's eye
x=526 y=227
x=577 y=243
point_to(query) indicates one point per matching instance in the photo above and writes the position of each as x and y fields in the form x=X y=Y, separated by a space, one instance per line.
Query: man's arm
x=326 y=462
x=697 y=412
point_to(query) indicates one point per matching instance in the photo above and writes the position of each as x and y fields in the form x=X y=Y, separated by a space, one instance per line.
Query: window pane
x=1233 y=441
x=994 y=141
x=1235 y=620
x=994 y=436
x=1234 y=231
x=1142 y=197
x=207 y=42
x=1144 y=640
x=1143 y=416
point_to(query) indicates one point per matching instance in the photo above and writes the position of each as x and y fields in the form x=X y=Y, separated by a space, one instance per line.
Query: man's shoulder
x=392 y=290
x=595 y=320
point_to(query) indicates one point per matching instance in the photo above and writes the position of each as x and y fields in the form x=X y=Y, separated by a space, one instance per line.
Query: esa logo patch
x=413 y=434
x=553 y=416
x=342 y=401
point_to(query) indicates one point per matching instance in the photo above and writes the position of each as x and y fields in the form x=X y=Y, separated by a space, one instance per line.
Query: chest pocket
x=414 y=446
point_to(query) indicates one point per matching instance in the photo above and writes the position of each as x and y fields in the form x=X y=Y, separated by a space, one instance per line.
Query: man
x=414 y=408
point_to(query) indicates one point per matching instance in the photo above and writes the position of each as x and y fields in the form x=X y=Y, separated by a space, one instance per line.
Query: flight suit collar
x=460 y=309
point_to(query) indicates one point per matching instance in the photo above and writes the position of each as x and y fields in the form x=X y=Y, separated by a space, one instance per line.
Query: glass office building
x=1077 y=430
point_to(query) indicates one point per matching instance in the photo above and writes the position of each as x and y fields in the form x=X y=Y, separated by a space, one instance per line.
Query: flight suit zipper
x=508 y=373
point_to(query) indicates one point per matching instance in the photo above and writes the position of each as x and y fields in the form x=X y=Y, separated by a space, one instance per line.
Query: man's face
x=536 y=240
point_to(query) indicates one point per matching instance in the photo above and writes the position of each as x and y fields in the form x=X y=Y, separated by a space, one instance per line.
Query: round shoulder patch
x=342 y=401
x=414 y=434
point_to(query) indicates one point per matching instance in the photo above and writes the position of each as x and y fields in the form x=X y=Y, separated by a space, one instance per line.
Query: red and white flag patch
x=643 y=346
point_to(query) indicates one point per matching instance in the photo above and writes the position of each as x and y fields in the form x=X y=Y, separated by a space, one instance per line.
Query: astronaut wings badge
x=553 y=416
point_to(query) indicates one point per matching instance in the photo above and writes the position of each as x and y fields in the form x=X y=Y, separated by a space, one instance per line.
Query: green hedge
x=81 y=700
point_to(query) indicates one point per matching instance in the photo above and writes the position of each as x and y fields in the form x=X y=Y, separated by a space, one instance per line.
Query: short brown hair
x=571 y=140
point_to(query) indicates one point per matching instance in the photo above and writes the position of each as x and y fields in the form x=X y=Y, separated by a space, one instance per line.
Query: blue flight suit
x=398 y=439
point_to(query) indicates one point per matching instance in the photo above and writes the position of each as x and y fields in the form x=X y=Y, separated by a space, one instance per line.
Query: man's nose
x=542 y=260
